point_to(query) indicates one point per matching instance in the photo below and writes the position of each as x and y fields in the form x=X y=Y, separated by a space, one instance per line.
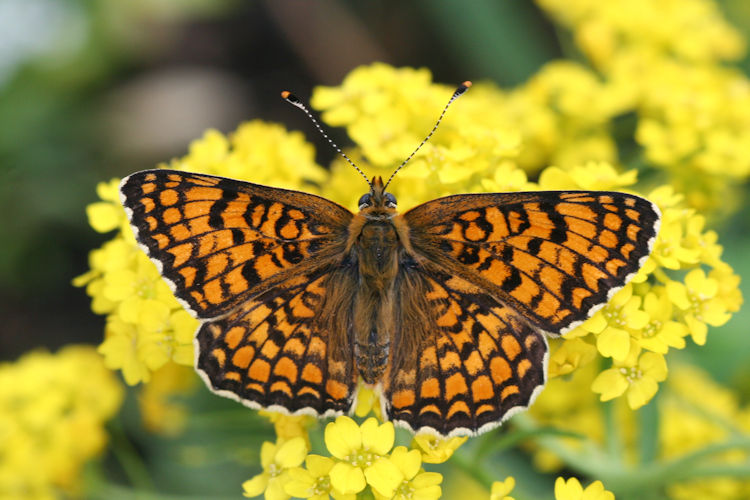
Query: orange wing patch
x=268 y=355
x=472 y=370
x=220 y=241
x=552 y=256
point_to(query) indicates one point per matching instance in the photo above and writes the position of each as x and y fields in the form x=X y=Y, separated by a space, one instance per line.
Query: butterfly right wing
x=261 y=267
x=281 y=350
x=219 y=241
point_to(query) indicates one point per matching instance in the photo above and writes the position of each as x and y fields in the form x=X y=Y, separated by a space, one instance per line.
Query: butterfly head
x=377 y=201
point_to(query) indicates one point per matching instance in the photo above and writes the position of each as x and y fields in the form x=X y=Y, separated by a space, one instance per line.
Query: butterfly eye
x=390 y=200
x=364 y=201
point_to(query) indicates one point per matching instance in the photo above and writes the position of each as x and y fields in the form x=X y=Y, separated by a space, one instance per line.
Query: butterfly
x=443 y=308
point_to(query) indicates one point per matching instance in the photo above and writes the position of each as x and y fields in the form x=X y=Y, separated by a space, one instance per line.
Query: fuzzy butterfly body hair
x=443 y=308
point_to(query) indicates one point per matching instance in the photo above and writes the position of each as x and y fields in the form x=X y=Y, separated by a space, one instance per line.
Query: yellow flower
x=313 y=481
x=106 y=215
x=613 y=323
x=276 y=460
x=289 y=426
x=670 y=249
x=569 y=355
x=409 y=481
x=501 y=489
x=661 y=332
x=436 y=450
x=358 y=449
x=572 y=490
x=639 y=378
x=595 y=176
x=368 y=400
x=53 y=408
x=699 y=303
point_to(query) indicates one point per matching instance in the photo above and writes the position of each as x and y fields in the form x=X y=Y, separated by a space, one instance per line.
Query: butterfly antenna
x=458 y=93
x=295 y=101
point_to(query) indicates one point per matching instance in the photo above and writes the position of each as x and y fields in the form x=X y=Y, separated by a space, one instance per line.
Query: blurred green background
x=95 y=89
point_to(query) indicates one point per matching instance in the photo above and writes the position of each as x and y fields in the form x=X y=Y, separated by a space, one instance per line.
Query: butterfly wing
x=487 y=275
x=255 y=264
x=274 y=351
x=219 y=241
x=477 y=360
x=556 y=257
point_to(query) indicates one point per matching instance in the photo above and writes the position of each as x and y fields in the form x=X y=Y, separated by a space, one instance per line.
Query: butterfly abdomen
x=377 y=252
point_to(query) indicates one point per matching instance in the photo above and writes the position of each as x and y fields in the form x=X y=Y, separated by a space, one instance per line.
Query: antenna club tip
x=285 y=94
x=467 y=84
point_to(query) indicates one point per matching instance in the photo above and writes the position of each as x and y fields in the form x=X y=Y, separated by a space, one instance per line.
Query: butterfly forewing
x=555 y=257
x=220 y=241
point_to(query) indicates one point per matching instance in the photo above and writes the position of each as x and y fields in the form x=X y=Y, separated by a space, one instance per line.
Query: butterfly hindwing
x=220 y=241
x=474 y=361
x=271 y=352
x=554 y=256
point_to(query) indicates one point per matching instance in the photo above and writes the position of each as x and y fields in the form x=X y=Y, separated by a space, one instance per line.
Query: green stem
x=613 y=436
x=494 y=443
x=593 y=462
x=128 y=457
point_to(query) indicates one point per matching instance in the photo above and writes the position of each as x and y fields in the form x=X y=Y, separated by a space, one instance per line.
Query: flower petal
x=342 y=437
x=347 y=479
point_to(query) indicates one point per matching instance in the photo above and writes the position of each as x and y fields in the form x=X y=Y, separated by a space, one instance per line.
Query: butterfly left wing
x=556 y=257
x=486 y=275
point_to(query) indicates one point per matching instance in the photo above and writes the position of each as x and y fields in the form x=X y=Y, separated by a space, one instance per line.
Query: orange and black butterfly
x=444 y=308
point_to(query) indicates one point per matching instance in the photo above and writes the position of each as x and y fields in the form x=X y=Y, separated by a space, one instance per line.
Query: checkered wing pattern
x=477 y=362
x=554 y=257
x=272 y=353
x=220 y=241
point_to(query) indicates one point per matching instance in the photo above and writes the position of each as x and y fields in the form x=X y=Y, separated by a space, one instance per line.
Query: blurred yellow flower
x=277 y=460
x=501 y=489
x=572 y=490
x=160 y=411
x=289 y=426
x=53 y=408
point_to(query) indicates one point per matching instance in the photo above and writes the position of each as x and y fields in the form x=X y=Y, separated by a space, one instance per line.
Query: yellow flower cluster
x=570 y=489
x=688 y=30
x=52 y=413
x=693 y=113
x=492 y=140
x=362 y=457
x=146 y=326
